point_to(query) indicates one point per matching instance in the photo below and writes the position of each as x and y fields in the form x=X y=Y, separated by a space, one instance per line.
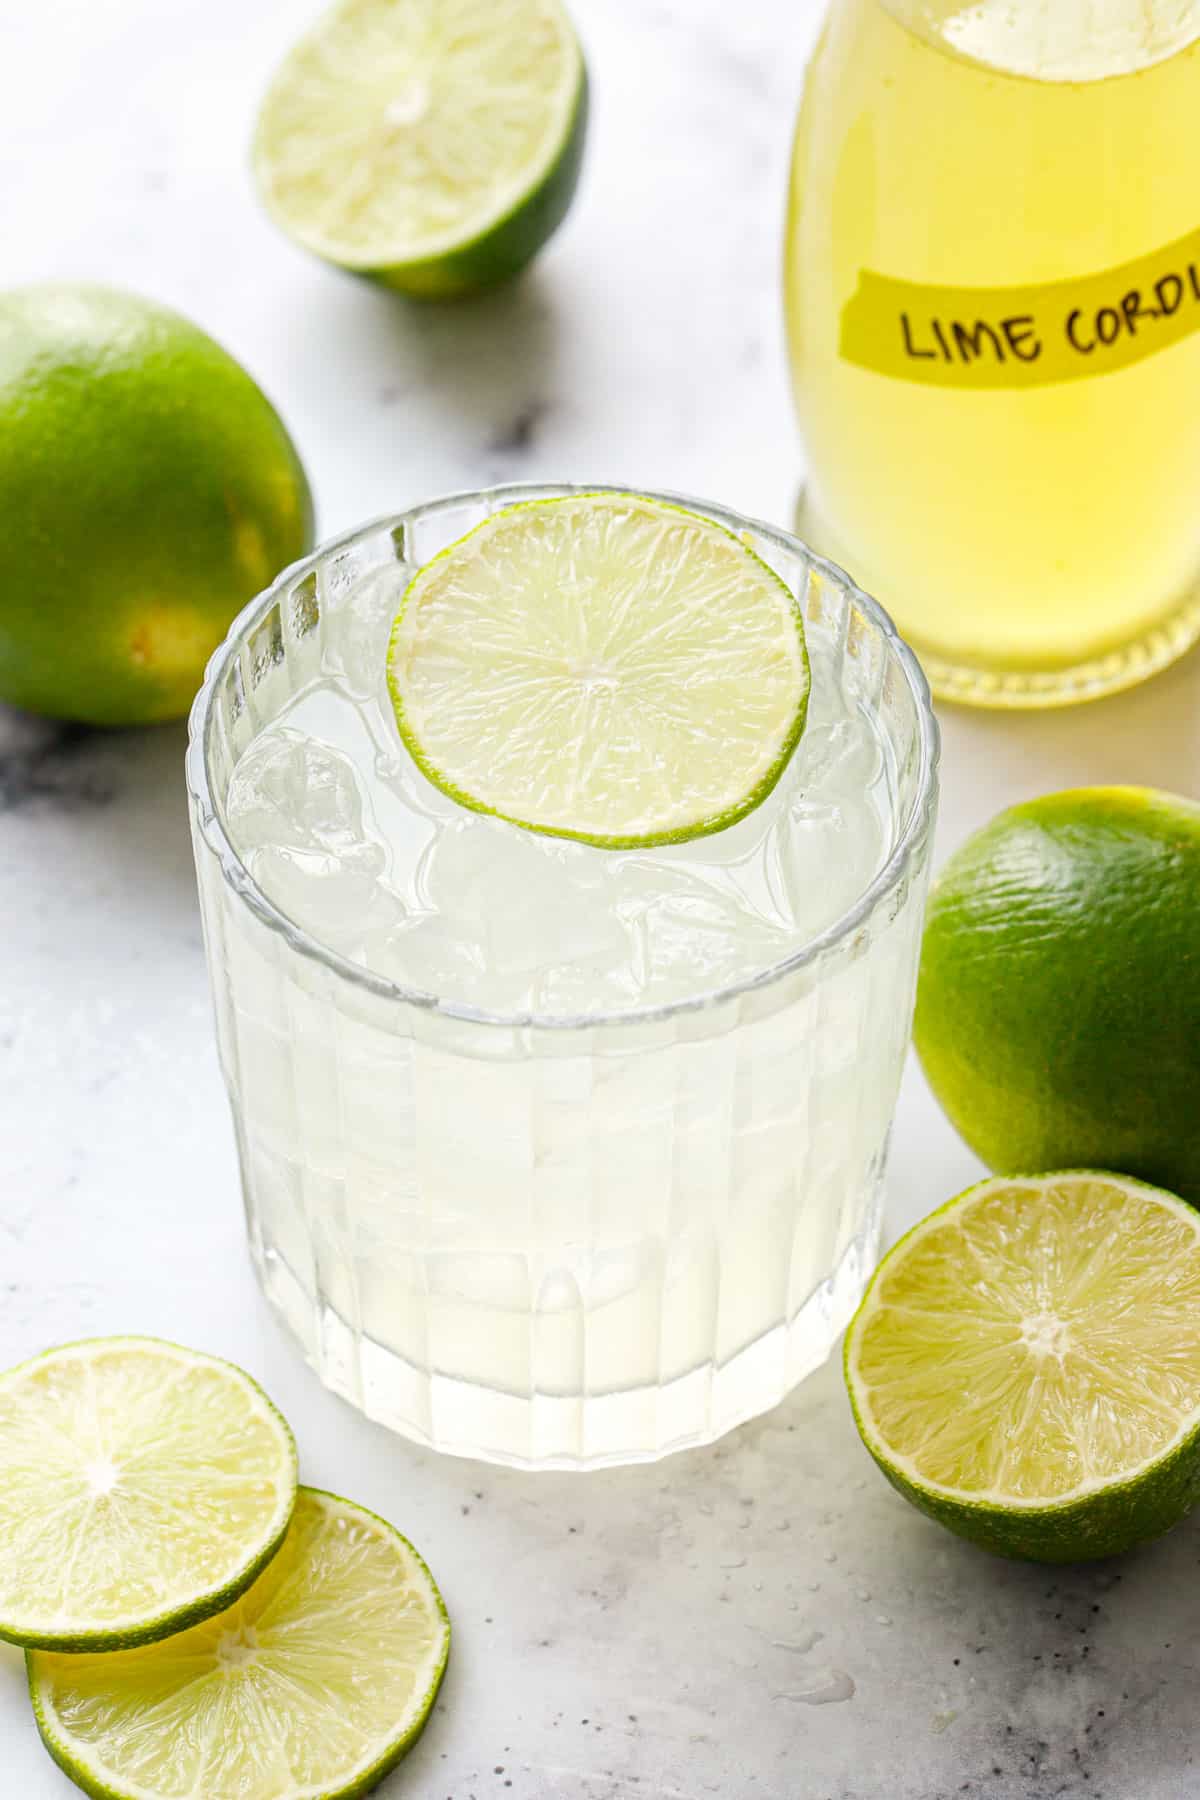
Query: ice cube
x=511 y=921
x=524 y=901
x=334 y=901
x=841 y=754
x=820 y=856
x=589 y=985
x=296 y=812
x=692 y=941
x=292 y=789
x=426 y=952
x=357 y=627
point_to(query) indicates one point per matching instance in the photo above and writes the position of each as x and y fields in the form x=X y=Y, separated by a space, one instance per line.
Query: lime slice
x=310 y=1688
x=1025 y=1366
x=435 y=144
x=142 y=1487
x=602 y=667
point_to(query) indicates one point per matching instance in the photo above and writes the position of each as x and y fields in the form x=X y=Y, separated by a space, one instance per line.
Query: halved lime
x=602 y=667
x=310 y=1688
x=142 y=1487
x=1025 y=1366
x=435 y=144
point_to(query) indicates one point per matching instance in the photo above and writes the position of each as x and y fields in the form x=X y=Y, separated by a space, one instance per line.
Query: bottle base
x=1005 y=689
x=1000 y=688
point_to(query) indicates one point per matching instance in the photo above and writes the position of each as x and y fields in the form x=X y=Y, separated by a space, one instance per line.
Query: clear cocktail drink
x=552 y=1153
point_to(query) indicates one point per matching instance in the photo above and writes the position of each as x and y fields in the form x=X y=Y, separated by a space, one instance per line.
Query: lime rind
x=1101 y=1517
x=151 y=1626
x=105 y=1784
x=365 y=51
x=704 y=826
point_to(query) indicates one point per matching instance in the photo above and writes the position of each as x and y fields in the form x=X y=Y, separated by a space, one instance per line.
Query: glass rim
x=237 y=876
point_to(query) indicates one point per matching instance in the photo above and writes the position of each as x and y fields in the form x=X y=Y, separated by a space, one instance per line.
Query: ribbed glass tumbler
x=546 y=1241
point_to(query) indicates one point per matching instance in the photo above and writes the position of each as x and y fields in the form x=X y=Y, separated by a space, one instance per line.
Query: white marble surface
x=646 y=1635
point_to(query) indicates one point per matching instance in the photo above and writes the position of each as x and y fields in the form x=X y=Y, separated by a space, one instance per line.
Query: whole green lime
x=1058 y=1010
x=148 y=489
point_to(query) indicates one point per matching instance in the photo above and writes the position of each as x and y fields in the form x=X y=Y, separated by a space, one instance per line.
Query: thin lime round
x=602 y=667
x=142 y=1487
x=310 y=1688
x=435 y=144
x=148 y=489
x=1058 y=1011
x=1025 y=1365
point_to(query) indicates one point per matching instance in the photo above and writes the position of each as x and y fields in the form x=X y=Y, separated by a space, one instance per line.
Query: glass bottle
x=993 y=305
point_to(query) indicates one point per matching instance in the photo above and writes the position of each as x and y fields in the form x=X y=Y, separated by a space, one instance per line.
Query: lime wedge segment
x=309 y=1688
x=602 y=667
x=433 y=143
x=1025 y=1366
x=142 y=1487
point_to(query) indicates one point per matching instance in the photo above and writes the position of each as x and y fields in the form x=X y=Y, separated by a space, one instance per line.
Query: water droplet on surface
x=827 y=1687
x=800 y=1646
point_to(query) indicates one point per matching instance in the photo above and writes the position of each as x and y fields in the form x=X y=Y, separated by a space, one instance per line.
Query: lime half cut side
x=142 y=1487
x=309 y=1688
x=435 y=144
x=602 y=667
x=1025 y=1365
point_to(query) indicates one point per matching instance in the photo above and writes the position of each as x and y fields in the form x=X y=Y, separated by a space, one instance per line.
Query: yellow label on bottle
x=998 y=337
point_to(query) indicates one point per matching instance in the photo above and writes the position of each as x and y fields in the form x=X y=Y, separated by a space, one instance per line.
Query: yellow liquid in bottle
x=1038 y=540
